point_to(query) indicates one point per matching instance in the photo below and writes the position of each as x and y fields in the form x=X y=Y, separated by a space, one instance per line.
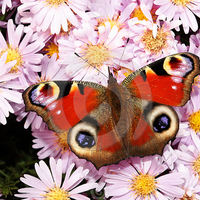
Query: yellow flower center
x=143 y=185
x=154 y=45
x=51 y=48
x=62 y=141
x=182 y=3
x=57 y=193
x=113 y=21
x=137 y=12
x=194 y=121
x=96 y=55
x=186 y=197
x=55 y=3
x=13 y=54
x=196 y=165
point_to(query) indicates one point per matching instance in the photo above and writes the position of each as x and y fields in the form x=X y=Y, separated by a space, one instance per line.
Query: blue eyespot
x=84 y=139
x=161 y=123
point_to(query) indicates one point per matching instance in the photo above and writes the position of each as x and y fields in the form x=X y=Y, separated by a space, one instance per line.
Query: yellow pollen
x=62 y=141
x=186 y=197
x=13 y=54
x=55 y=3
x=113 y=21
x=57 y=193
x=196 y=165
x=182 y=3
x=194 y=121
x=137 y=12
x=154 y=45
x=144 y=185
x=96 y=55
x=51 y=48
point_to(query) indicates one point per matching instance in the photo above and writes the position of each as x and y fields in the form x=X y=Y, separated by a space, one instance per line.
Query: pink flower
x=6 y=83
x=53 y=15
x=24 y=51
x=189 y=116
x=143 y=178
x=49 y=185
x=185 y=10
x=152 y=41
x=52 y=144
x=95 y=51
x=191 y=184
x=188 y=154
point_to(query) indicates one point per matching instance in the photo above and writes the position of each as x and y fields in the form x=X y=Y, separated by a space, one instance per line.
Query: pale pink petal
x=44 y=174
x=56 y=169
x=83 y=188
x=33 y=182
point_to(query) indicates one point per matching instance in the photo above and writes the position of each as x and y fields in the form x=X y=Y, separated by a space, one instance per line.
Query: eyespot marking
x=44 y=94
x=161 y=123
x=84 y=139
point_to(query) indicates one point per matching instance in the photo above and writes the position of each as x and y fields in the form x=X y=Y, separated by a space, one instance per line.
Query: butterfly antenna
x=90 y=64
x=123 y=51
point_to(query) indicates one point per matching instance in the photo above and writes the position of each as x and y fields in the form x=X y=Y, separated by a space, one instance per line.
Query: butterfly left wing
x=82 y=111
x=62 y=104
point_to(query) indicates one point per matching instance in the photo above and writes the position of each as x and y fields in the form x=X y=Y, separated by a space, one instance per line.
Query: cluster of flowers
x=41 y=44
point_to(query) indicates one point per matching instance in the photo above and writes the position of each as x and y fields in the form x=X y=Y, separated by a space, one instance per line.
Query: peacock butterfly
x=107 y=124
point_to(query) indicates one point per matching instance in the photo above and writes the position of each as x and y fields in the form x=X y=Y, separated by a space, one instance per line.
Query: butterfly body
x=107 y=124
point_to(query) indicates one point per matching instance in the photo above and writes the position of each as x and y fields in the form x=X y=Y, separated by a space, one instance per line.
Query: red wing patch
x=167 y=81
x=69 y=110
x=62 y=104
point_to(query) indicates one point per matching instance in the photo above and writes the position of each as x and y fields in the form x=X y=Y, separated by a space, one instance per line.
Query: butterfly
x=107 y=124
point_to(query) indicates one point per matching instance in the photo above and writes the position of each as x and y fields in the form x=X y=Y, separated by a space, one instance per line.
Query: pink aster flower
x=141 y=178
x=189 y=116
x=191 y=184
x=184 y=10
x=23 y=50
x=49 y=185
x=6 y=94
x=143 y=9
x=53 y=15
x=95 y=51
x=152 y=41
x=52 y=144
x=188 y=154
